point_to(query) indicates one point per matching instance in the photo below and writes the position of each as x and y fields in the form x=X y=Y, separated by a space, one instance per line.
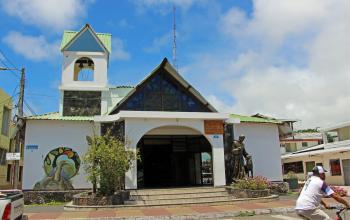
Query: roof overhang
x=165 y=115
x=335 y=147
x=86 y=27
x=317 y=152
x=335 y=127
x=83 y=88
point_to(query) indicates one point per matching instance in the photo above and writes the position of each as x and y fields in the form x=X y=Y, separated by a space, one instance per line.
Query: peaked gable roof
x=169 y=69
x=103 y=39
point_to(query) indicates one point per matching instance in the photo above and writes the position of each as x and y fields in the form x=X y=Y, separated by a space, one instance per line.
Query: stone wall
x=88 y=199
x=42 y=197
x=279 y=188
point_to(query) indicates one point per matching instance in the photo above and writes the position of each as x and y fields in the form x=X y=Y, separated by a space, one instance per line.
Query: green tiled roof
x=105 y=38
x=56 y=116
x=252 y=119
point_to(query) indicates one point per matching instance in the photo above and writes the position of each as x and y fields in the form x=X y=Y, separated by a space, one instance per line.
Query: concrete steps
x=175 y=196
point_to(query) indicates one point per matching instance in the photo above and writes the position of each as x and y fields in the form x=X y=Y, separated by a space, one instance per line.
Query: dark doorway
x=173 y=161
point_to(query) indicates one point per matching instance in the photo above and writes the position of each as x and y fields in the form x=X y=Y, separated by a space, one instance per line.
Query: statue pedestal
x=248 y=193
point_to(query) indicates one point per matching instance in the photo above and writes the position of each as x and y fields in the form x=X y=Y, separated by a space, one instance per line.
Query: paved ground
x=285 y=216
x=279 y=209
x=203 y=211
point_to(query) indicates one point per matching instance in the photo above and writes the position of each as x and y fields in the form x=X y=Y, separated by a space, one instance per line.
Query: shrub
x=290 y=175
x=340 y=191
x=106 y=162
x=252 y=183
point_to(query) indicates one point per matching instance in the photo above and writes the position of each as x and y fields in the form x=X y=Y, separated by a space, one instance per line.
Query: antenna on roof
x=174 y=36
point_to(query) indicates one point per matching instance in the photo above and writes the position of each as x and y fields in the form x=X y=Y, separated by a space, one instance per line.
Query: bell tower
x=84 y=71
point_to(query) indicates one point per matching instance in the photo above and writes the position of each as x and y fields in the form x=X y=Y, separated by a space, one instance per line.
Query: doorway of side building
x=346 y=171
x=174 y=161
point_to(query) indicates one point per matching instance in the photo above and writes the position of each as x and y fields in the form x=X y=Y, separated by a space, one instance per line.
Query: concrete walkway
x=278 y=207
x=186 y=212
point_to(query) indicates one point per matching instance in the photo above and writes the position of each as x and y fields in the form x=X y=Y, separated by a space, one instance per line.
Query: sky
x=282 y=58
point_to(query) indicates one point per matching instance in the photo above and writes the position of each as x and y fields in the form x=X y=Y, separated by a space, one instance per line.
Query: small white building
x=334 y=156
x=181 y=137
x=300 y=141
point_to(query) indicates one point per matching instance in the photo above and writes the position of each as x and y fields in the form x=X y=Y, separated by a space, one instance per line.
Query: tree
x=106 y=162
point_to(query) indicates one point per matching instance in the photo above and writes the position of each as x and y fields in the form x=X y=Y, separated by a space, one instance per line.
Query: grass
x=291 y=193
x=246 y=214
x=53 y=203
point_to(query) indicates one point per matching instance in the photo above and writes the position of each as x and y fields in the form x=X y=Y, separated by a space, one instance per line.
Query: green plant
x=290 y=175
x=106 y=162
x=246 y=213
x=252 y=183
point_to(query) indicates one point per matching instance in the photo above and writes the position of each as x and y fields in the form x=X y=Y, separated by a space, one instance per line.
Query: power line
x=3 y=54
x=12 y=71
x=29 y=108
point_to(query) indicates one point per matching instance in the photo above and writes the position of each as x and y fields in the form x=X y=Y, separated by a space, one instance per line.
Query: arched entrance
x=174 y=156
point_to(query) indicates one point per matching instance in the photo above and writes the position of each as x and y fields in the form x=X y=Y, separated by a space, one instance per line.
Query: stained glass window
x=81 y=103
x=163 y=93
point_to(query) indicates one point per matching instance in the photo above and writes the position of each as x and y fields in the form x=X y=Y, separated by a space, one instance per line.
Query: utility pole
x=19 y=124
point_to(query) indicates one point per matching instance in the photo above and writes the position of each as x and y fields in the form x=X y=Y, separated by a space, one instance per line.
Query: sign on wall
x=213 y=127
x=13 y=156
x=32 y=147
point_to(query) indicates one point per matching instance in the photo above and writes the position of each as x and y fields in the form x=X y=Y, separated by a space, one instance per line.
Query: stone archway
x=136 y=129
x=174 y=156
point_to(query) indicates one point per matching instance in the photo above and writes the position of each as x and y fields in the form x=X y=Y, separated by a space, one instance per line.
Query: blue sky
x=285 y=59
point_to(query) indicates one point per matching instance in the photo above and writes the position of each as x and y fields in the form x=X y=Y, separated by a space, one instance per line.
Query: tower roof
x=69 y=36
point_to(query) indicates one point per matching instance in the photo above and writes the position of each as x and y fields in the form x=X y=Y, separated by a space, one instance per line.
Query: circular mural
x=64 y=160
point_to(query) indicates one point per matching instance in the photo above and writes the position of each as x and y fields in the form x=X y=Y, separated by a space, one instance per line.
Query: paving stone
x=156 y=212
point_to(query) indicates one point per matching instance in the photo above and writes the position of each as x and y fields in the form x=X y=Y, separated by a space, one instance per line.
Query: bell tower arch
x=84 y=71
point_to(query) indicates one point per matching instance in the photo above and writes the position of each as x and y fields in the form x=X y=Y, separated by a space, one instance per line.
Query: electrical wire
x=29 y=108
x=12 y=71
x=3 y=54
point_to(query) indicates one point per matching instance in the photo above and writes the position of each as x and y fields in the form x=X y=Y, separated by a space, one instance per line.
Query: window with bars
x=9 y=170
x=6 y=114
x=3 y=156
x=296 y=167
x=334 y=164
x=309 y=165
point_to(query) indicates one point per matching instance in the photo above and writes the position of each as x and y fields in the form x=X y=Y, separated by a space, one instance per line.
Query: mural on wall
x=60 y=165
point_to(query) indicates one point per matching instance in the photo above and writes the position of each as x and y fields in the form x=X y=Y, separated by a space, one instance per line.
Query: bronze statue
x=241 y=161
x=249 y=166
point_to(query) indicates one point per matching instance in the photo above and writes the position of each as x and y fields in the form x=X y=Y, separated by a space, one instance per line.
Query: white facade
x=48 y=135
x=139 y=123
x=99 y=82
x=135 y=129
x=262 y=142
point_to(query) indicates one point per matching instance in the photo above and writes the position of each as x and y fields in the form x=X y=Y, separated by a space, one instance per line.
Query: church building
x=181 y=137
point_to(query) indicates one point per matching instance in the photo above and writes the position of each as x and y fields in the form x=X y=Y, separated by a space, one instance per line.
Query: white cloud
x=293 y=61
x=53 y=15
x=118 y=50
x=34 y=48
x=2 y=58
x=159 y=42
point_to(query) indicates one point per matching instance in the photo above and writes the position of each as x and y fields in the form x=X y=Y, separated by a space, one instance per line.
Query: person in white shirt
x=311 y=195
